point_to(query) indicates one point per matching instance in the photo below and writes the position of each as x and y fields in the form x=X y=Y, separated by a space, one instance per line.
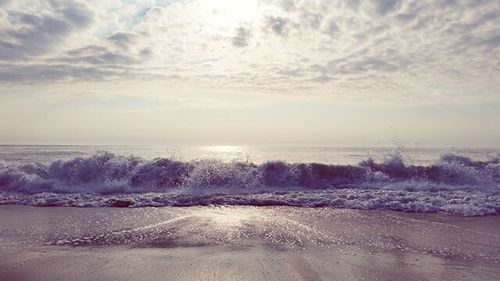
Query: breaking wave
x=454 y=184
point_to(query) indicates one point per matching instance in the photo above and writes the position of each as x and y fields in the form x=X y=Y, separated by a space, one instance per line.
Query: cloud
x=123 y=39
x=105 y=57
x=312 y=20
x=33 y=34
x=78 y=14
x=332 y=28
x=278 y=25
x=382 y=7
x=56 y=72
x=5 y=3
x=242 y=37
x=324 y=46
x=146 y=52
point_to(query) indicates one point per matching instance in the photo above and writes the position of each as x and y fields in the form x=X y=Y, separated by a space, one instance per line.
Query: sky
x=222 y=72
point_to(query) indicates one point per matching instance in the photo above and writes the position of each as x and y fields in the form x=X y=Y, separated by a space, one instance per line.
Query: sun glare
x=226 y=148
x=230 y=13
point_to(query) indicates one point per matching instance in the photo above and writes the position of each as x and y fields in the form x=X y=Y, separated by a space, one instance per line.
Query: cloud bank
x=357 y=49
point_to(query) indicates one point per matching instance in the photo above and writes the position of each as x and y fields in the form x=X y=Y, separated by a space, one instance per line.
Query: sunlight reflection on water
x=227 y=153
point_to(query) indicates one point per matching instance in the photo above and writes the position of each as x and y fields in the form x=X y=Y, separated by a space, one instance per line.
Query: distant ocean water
x=454 y=180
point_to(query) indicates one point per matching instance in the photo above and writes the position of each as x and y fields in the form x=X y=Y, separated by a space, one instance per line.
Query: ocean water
x=453 y=180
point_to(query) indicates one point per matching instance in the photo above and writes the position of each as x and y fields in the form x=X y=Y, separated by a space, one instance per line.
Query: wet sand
x=244 y=243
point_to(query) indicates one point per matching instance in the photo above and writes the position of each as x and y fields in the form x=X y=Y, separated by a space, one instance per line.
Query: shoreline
x=253 y=206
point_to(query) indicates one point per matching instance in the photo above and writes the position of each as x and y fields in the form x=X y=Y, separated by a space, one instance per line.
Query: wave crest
x=105 y=172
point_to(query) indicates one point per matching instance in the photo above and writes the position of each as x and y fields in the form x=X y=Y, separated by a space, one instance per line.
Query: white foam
x=454 y=184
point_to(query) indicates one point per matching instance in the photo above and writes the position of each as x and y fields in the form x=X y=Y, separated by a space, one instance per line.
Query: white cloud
x=381 y=50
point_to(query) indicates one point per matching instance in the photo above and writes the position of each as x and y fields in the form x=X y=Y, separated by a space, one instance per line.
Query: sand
x=244 y=243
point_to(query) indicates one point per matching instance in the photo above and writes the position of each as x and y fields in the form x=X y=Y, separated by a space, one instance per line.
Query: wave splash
x=454 y=183
x=108 y=173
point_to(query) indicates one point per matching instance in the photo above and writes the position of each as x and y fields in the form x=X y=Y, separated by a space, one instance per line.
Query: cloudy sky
x=335 y=72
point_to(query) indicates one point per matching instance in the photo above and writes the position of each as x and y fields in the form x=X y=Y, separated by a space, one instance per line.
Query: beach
x=244 y=243
x=249 y=140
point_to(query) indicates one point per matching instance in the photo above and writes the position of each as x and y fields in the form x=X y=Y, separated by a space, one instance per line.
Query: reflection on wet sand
x=246 y=243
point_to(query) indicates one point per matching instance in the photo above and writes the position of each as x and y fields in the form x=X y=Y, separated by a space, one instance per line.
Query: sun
x=228 y=14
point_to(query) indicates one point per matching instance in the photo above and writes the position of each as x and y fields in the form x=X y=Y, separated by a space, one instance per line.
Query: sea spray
x=454 y=184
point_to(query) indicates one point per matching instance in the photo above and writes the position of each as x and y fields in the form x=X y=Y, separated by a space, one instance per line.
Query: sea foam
x=453 y=184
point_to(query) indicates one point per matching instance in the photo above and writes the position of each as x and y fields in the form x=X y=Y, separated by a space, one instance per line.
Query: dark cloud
x=383 y=7
x=242 y=37
x=123 y=39
x=295 y=72
x=355 y=66
x=374 y=7
x=87 y=50
x=146 y=52
x=491 y=42
x=406 y=17
x=36 y=34
x=445 y=3
x=319 y=68
x=353 y=4
x=278 y=25
x=78 y=15
x=368 y=64
x=111 y=58
x=45 y=72
x=98 y=55
x=288 y=5
x=4 y=2
x=332 y=28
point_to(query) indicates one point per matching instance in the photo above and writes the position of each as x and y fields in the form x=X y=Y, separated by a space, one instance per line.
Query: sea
x=457 y=181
